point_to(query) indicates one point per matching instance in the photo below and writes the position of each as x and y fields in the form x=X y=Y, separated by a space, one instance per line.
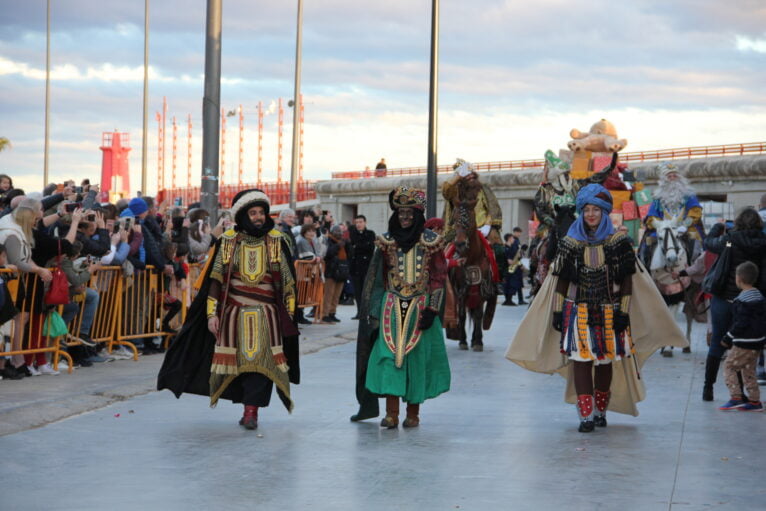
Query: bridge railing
x=626 y=157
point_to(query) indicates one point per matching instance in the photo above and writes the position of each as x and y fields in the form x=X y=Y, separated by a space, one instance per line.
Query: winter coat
x=747 y=245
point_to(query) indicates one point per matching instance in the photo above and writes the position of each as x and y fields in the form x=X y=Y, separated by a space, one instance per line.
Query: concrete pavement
x=502 y=438
x=34 y=402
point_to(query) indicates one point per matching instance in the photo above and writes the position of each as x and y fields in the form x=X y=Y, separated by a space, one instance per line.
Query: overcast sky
x=515 y=77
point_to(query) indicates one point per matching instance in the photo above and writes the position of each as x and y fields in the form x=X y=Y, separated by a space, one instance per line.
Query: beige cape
x=651 y=324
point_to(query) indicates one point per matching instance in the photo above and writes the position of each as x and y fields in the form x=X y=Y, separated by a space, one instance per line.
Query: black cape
x=186 y=367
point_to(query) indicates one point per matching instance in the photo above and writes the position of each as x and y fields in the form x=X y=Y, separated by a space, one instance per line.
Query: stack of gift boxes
x=629 y=207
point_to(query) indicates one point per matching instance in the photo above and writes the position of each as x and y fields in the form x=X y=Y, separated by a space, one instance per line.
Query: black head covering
x=407 y=238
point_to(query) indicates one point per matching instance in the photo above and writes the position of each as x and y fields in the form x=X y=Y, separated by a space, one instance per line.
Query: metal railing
x=626 y=157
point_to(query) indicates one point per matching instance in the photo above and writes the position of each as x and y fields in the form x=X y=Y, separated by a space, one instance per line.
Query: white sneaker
x=33 y=371
x=47 y=369
x=122 y=353
x=64 y=365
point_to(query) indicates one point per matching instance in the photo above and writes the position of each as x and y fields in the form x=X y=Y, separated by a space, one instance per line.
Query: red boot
x=250 y=418
x=585 y=411
x=602 y=402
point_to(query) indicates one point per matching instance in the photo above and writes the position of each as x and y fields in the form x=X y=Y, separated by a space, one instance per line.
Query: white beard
x=673 y=194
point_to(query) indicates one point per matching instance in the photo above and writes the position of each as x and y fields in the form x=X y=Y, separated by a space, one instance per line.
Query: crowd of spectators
x=72 y=227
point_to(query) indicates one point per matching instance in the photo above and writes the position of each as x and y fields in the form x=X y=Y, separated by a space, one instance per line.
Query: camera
x=91 y=217
x=69 y=208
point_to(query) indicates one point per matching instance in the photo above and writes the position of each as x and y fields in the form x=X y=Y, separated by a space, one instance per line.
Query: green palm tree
x=4 y=144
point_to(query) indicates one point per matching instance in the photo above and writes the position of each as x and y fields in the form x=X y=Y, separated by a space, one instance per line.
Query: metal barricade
x=310 y=286
x=27 y=337
x=109 y=283
x=140 y=307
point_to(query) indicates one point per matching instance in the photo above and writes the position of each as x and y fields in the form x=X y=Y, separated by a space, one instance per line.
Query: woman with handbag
x=28 y=249
x=744 y=242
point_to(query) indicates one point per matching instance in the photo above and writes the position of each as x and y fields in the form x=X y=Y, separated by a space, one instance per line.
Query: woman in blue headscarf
x=583 y=323
x=594 y=269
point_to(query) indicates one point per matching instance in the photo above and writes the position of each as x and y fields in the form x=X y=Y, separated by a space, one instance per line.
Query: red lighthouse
x=115 y=176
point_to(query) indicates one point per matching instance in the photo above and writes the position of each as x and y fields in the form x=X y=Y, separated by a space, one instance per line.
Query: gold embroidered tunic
x=256 y=282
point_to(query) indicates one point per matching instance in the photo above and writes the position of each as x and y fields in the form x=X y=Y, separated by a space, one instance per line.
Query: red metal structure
x=115 y=175
x=279 y=193
x=661 y=154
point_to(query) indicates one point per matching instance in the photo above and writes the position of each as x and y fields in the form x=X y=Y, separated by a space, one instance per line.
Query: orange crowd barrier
x=27 y=327
x=310 y=286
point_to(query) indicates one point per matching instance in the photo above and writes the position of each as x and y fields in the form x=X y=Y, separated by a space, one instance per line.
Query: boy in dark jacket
x=745 y=338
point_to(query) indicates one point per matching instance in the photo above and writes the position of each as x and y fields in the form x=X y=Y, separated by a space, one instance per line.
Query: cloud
x=745 y=44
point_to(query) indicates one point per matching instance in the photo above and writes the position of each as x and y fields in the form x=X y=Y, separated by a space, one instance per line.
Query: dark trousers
x=721 y=317
x=358 y=283
x=256 y=389
x=513 y=285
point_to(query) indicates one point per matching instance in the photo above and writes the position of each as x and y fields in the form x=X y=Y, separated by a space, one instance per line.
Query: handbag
x=58 y=292
x=54 y=325
x=715 y=280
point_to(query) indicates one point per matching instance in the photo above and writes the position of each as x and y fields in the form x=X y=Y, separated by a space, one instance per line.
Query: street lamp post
x=296 y=109
x=47 y=90
x=433 y=113
x=211 y=107
x=145 y=132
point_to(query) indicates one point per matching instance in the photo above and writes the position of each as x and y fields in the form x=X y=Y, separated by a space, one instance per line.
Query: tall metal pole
x=433 y=113
x=296 y=109
x=47 y=91
x=145 y=132
x=211 y=107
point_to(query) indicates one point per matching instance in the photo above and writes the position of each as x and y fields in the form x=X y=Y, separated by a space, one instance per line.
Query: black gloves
x=558 y=321
x=621 y=322
x=427 y=319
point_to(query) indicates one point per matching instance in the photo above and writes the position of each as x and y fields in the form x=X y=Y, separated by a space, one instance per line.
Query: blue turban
x=599 y=196
x=596 y=195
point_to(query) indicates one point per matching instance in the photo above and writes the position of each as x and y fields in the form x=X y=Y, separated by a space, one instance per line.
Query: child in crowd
x=746 y=339
x=78 y=274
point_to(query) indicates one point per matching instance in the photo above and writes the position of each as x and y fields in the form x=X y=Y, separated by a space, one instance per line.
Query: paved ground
x=502 y=438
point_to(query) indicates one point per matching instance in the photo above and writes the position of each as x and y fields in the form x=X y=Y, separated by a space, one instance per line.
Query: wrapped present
x=616 y=218
x=643 y=210
x=634 y=228
x=532 y=228
x=642 y=197
x=581 y=164
x=600 y=162
x=618 y=197
x=629 y=210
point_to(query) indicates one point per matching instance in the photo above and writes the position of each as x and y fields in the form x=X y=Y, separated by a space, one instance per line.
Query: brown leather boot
x=391 y=420
x=412 y=420
x=250 y=418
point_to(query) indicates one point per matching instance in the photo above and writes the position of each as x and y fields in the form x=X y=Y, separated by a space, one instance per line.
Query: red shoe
x=250 y=418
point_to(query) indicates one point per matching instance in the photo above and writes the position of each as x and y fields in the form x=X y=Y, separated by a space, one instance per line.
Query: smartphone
x=69 y=208
x=91 y=218
x=78 y=189
x=116 y=228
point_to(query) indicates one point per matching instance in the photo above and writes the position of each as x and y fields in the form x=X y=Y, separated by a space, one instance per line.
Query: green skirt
x=424 y=374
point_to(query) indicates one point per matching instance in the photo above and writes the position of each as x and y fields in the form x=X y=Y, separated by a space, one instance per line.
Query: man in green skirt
x=400 y=347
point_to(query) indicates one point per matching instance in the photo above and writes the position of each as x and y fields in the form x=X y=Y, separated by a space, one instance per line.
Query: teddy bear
x=602 y=138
